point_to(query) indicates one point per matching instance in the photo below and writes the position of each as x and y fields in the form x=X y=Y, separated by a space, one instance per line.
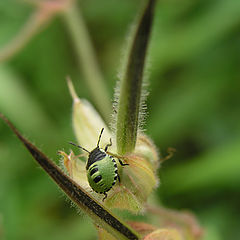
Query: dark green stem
x=99 y=214
x=131 y=84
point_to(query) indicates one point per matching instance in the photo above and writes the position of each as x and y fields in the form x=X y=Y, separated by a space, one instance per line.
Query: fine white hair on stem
x=130 y=94
x=144 y=92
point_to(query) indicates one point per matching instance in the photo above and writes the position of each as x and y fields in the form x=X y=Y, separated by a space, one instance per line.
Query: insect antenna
x=79 y=147
x=100 y=137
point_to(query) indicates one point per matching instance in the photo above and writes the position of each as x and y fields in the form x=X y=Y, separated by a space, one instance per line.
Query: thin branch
x=87 y=60
x=99 y=214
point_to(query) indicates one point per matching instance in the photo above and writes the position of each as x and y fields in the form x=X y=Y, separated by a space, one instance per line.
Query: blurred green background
x=193 y=106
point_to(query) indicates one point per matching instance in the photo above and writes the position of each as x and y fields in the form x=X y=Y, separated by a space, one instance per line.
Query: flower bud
x=87 y=123
x=137 y=179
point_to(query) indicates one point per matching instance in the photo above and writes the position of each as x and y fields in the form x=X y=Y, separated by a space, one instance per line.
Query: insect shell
x=102 y=169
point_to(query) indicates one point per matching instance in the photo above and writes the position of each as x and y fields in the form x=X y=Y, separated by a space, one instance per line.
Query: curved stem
x=87 y=59
x=95 y=210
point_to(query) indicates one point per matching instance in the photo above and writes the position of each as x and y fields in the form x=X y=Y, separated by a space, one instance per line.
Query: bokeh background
x=193 y=106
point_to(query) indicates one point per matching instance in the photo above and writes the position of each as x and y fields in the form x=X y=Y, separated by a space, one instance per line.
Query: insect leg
x=105 y=196
x=108 y=145
x=121 y=163
x=119 y=178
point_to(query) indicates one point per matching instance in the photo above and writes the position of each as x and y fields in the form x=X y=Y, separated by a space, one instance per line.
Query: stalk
x=131 y=84
x=87 y=59
x=95 y=210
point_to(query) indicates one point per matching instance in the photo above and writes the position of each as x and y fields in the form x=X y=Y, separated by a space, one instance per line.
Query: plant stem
x=87 y=59
x=31 y=28
x=131 y=84
x=98 y=213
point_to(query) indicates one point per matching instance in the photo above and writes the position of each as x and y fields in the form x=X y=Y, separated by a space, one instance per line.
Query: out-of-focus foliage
x=193 y=106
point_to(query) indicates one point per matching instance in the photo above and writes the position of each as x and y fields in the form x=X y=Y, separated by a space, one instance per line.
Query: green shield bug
x=102 y=169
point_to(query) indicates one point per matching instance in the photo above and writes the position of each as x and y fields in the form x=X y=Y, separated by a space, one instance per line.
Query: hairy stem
x=99 y=214
x=131 y=84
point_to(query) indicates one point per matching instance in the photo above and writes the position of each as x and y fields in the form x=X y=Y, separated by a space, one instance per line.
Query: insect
x=102 y=169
